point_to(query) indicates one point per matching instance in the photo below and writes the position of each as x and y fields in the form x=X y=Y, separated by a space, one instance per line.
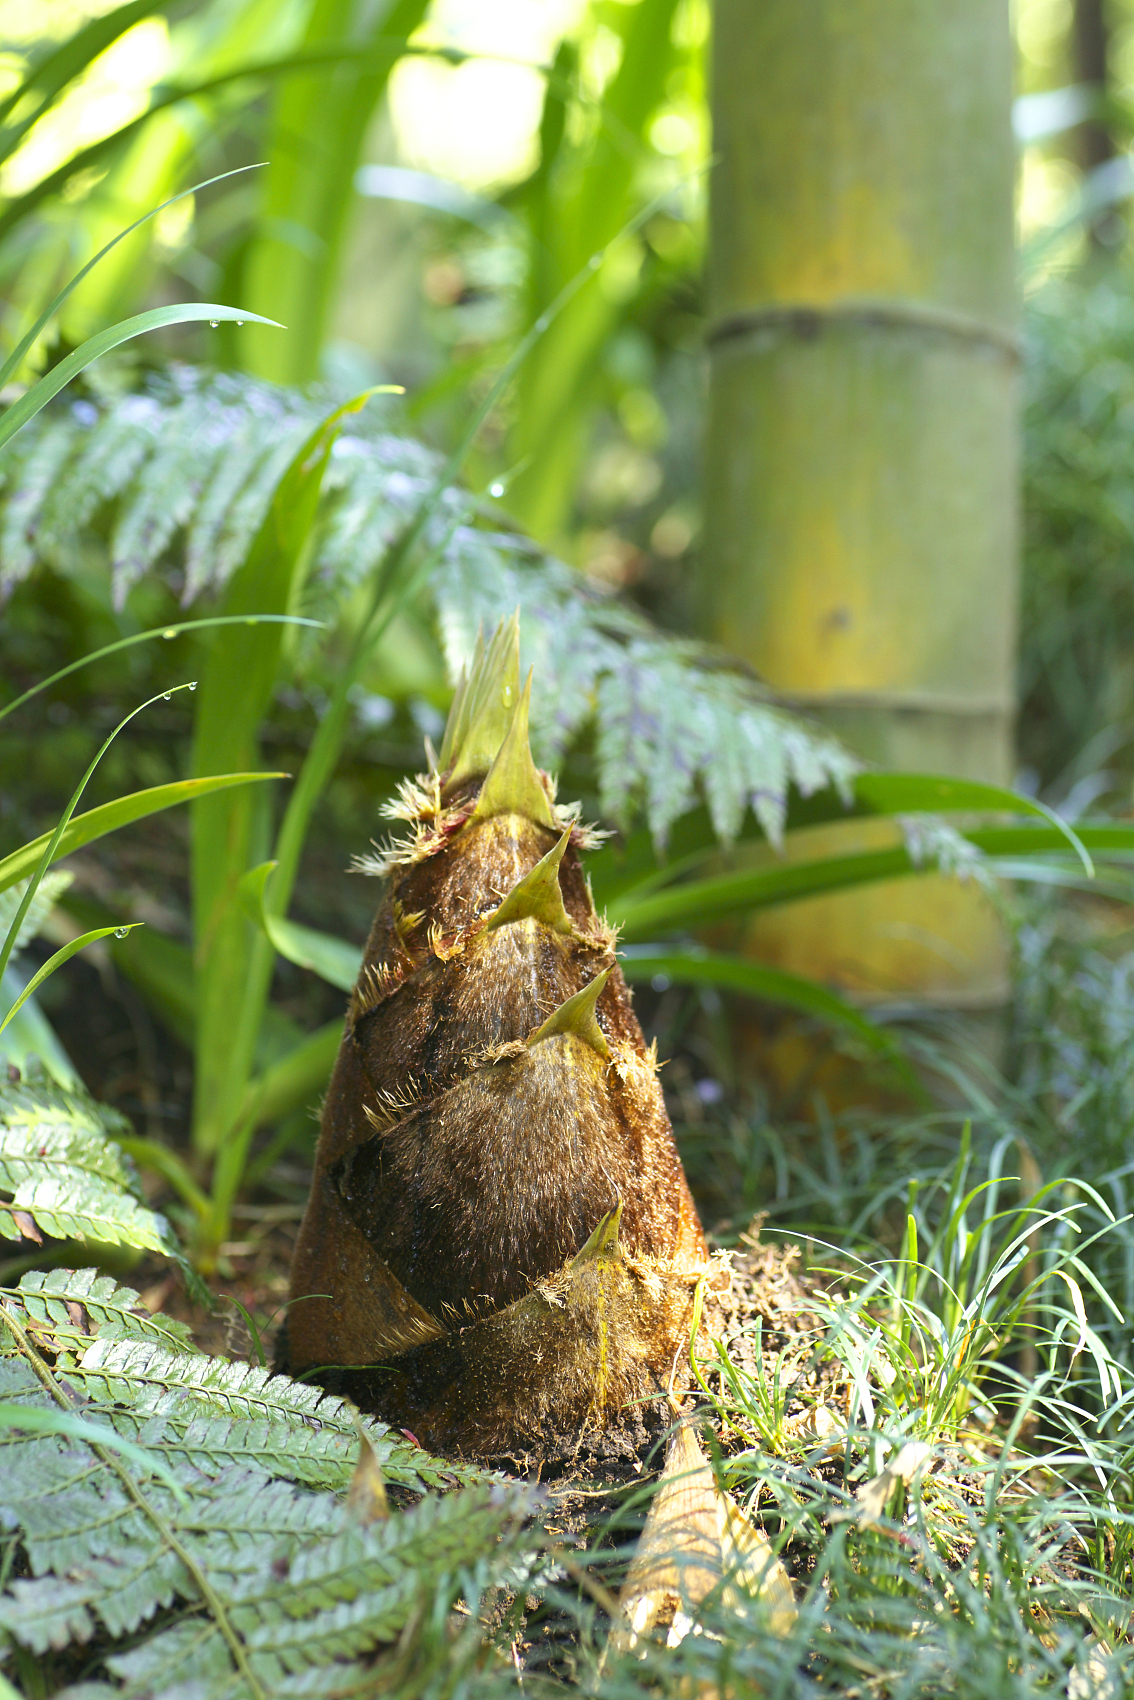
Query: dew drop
x=121 y=932
x=169 y=634
x=496 y=489
x=167 y=695
x=192 y=684
x=239 y=322
x=213 y=323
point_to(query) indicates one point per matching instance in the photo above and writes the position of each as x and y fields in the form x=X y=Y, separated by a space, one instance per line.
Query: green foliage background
x=185 y=1531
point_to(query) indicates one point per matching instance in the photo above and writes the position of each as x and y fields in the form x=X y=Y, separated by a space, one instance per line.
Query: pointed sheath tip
x=484 y=705
x=604 y=1240
x=577 y=1015
x=537 y=895
x=512 y=785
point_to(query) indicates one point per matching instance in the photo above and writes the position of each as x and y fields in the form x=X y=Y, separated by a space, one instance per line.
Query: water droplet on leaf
x=121 y=932
x=192 y=684
x=213 y=323
x=169 y=634
x=496 y=489
x=167 y=695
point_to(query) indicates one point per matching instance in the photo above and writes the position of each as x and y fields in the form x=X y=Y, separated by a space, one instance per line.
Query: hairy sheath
x=500 y=1249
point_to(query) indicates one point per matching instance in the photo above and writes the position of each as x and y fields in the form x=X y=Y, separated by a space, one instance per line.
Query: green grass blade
x=52 y=382
x=12 y=363
x=52 y=847
x=167 y=632
x=108 y=817
x=60 y=957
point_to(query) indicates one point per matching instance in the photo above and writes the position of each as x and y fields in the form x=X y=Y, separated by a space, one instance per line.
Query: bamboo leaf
x=696 y=902
x=906 y=793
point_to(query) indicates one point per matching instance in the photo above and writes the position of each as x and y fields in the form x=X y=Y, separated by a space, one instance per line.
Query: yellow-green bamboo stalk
x=862 y=451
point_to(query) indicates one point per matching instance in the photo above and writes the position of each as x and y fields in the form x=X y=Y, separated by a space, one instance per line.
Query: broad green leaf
x=736 y=974
x=933 y=794
x=51 y=74
x=96 y=823
x=53 y=381
x=311 y=189
x=696 y=902
x=1107 y=837
x=70 y=949
x=334 y=960
x=234 y=969
x=632 y=869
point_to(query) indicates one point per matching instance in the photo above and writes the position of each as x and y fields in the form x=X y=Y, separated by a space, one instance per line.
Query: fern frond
x=933 y=843
x=67 y=1307
x=213 y=1413
x=231 y=1581
x=191 y=465
x=60 y=1164
x=51 y=888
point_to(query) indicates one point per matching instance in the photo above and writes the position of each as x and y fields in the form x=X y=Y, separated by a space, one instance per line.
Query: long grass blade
x=172 y=95
x=60 y=957
x=123 y=811
x=52 y=846
x=12 y=363
x=52 y=382
x=168 y=632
